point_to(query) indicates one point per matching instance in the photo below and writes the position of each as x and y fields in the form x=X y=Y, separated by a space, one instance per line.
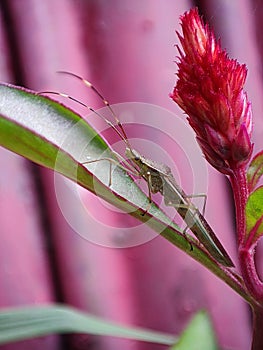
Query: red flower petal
x=210 y=91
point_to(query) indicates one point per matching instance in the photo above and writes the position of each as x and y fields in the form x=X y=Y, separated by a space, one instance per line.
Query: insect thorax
x=151 y=171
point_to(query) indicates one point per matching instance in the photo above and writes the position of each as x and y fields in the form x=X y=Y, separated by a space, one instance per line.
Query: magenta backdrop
x=127 y=49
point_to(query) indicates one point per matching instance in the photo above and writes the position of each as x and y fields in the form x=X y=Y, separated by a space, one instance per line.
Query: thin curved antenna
x=104 y=100
x=91 y=109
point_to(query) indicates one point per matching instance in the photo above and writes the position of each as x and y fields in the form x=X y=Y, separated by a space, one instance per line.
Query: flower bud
x=210 y=91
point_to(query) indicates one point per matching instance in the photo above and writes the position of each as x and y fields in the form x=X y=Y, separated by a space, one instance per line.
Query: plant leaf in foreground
x=255 y=170
x=28 y=322
x=198 y=335
x=254 y=215
x=50 y=134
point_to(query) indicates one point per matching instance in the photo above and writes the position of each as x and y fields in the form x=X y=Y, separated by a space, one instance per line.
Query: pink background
x=127 y=49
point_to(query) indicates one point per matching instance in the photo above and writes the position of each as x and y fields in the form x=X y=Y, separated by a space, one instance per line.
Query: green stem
x=224 y=273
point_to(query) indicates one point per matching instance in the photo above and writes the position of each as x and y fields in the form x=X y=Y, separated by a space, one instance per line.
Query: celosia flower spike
x=210 y=91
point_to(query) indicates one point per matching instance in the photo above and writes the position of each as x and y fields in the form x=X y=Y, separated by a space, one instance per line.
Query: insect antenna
x=88 y=107
x=124 y=136
x=121 y=133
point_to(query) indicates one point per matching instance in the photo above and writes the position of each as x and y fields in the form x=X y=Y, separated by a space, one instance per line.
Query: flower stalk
x=210 y=90
x=246 y=248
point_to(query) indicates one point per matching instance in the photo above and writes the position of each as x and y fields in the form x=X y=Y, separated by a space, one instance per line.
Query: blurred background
x=126 y=48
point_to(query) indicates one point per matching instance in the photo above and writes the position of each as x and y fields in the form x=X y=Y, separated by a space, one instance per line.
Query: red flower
x=210 y=91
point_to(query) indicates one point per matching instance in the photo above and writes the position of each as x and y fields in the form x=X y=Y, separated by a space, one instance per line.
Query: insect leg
x=112 y=161
x=194 y=208
x=149 y=181
x=187 y=207
x=200 y=195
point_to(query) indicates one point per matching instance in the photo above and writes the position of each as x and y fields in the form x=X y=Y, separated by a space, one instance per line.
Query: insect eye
x=136 y=159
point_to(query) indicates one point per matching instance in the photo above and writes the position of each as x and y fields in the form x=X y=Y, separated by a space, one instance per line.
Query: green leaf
x=28 y=322
x=254 y=214
x=198 y=335
x=49 y=134
x=255 y=171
